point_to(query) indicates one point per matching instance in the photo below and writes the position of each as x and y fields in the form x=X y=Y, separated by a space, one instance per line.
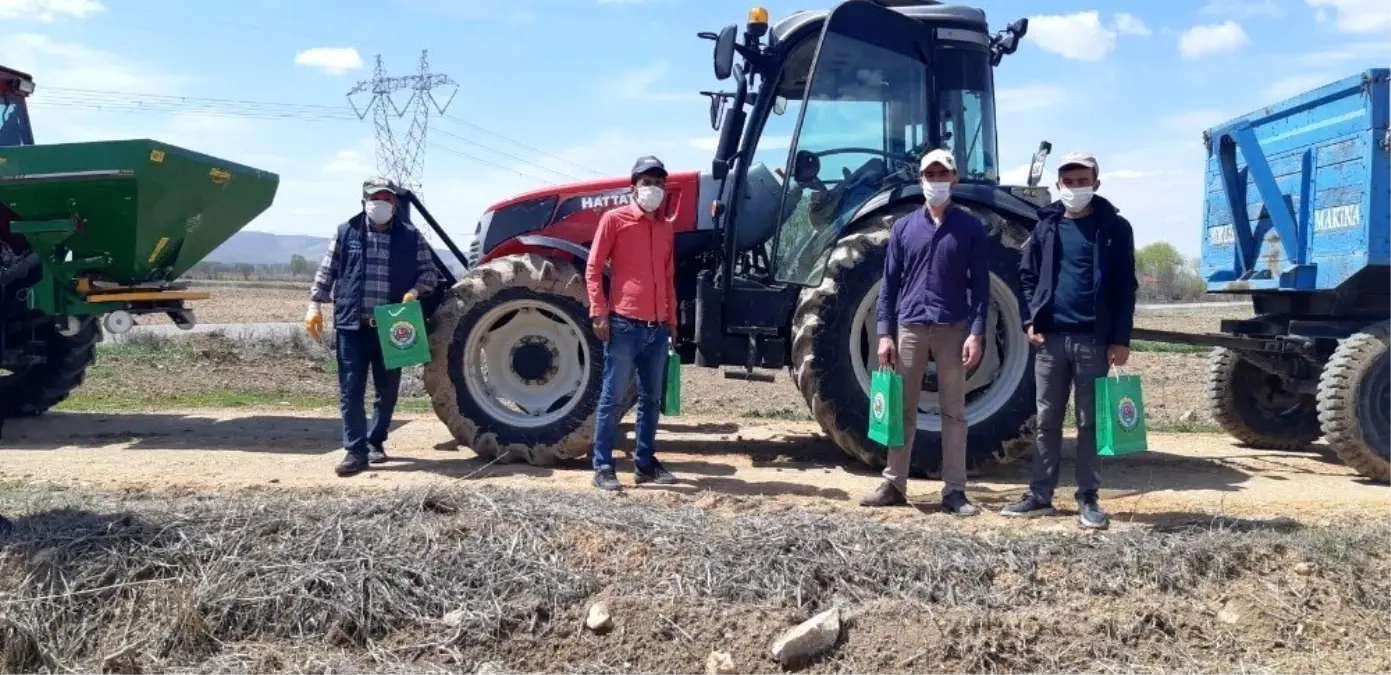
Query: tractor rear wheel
x=1255 y=407
x=1355 y=402
x=835 y=344
x=34 y=390
x=517 y=372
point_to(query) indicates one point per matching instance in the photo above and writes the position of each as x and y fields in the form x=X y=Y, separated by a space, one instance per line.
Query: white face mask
x=649 y=197
x=1075 y=199
x=936 y=193
x=380 y=212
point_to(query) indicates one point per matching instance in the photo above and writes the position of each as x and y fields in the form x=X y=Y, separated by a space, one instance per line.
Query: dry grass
x=449 y=580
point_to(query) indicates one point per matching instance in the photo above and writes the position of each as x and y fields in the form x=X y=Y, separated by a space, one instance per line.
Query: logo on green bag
x=1128 y=414
x=878 y=405
x=402 y=334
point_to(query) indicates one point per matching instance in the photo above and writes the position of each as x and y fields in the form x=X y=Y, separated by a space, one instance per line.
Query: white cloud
x=333 y=60
x=1224 y=38
x=1029 y=97
x=640 y=83
x=75 y=66
x=1243 y=9
x=1079 y=37
x=1019 y=175
x=1356 y=16
x=1129 y=24
x=1296 y=84
x=350 y=162
x=48 y=10
x=1194 y=122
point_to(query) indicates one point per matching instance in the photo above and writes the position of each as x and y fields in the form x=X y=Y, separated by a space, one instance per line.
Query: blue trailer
x=1297 y=216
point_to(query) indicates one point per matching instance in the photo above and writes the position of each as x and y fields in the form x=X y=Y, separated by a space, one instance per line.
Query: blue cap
x=650 y=165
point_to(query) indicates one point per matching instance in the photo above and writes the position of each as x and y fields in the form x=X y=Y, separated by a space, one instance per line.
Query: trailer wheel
x=1355 y=402
x=35 y=390
x=517 y=372
x=834 y=343
x=1255 y=408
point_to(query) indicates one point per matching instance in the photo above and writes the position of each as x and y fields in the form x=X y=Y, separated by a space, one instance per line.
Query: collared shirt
x=638 y=251
x=376 y=286
x=936 y=274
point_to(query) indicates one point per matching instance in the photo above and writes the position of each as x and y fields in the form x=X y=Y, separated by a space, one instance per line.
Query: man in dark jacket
x=1078 y=276
x=376 y=258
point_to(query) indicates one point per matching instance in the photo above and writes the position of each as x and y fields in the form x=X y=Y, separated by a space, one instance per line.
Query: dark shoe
x=351 y=465
x=657 y=474
x=888 y=494
x=1028 y=507
x=605 y=479
x=1091 y=515
x=957 y=504
x=376 y=454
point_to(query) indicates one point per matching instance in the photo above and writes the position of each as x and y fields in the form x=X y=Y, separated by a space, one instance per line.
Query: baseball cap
x=938 y=156
x=377 y=184
x=648 y=164
x=1085 y=159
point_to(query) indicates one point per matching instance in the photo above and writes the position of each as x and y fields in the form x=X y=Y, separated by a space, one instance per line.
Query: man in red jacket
x=636 y=319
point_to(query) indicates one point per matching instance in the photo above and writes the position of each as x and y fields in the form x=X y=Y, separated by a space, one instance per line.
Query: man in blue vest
x=377 y=258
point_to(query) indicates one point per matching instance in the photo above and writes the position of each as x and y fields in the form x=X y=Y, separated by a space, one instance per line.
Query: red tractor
x=775 y=268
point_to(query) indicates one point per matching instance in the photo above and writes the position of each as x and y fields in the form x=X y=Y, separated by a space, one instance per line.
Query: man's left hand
x=410 y=296
x=671 y=330
x=1118 y=355
x=971 y=352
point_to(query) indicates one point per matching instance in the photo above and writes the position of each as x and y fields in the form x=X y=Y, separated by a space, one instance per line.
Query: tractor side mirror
x=724 y=52
x=1036 y=166
x=780 y=105
x=716 y=112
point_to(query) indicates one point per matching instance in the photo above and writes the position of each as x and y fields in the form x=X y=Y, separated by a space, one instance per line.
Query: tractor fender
x=985 y=195
x=579 y=251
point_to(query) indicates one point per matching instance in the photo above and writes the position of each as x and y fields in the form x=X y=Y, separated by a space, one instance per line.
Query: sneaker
x=1091 y=515
x=658 y=474
x=605 y=479
x=957 y=504
x=888 y=494
x=376 y=454
x=1028 y=507
x=351 y=465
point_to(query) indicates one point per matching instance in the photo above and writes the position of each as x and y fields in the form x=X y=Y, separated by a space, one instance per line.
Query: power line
x=402 y=162
x=519 y=144
x=507 y=155
x=480 y=160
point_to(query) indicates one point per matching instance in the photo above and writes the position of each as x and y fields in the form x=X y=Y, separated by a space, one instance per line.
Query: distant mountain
x=266 y=248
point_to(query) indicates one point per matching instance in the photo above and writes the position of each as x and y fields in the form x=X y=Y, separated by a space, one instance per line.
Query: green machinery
x=100 y=231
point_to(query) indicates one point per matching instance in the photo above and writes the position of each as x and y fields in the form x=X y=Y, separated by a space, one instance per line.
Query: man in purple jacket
x=934 y=299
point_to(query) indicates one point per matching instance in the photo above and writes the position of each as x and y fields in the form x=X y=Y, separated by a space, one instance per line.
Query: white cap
x=1086 y=159
x=938 y=156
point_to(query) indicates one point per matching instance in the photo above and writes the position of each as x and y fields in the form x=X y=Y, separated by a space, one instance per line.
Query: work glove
x=314 y=321
x=410 y=296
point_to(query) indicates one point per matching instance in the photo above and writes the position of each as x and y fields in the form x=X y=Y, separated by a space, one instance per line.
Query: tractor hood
x=570 y=212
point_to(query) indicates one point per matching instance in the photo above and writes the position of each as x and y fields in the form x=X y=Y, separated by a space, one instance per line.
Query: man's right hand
x=314 y=321
x=601 y=328
x=888 y=353
x=1035 y=339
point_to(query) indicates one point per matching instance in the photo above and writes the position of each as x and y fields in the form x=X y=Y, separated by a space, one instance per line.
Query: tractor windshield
x=967 y=110
x=862 y=114
x=14 y=122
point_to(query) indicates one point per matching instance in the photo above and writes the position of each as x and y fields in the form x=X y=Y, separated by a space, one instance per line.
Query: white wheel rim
x=988 y=388
x=491 y=357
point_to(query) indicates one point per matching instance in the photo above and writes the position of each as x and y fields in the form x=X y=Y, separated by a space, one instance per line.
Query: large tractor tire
x=517 y=372
x=34 y=390
x=835 y=344
x=1254 y=406
x=1355 y=402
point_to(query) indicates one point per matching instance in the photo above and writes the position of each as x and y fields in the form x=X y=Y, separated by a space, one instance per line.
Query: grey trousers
x=916 y=346
x=1067 y=364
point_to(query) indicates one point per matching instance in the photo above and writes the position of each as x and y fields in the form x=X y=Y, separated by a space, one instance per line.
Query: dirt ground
x=744 y=465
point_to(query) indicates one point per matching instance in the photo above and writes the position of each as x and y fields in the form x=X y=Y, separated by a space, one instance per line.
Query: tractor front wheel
x=1355 y=402
x=517 y=371
x=33 y=390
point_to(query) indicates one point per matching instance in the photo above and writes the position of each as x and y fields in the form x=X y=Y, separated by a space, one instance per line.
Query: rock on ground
x=598 y=619
x=808 y=640
x=719 y=663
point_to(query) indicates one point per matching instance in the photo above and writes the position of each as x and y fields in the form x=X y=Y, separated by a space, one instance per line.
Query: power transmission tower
x=402 y=160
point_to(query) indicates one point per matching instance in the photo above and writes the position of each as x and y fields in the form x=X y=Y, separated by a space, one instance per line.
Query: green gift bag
x=401 y=329
x=671 y=402
x=1120 y=416
x=886 y=408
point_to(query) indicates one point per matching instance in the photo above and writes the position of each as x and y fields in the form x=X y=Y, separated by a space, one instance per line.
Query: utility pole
x=402 y=160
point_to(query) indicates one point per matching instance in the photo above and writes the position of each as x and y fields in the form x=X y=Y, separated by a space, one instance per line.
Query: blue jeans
x=358 y=352
x=631 y=346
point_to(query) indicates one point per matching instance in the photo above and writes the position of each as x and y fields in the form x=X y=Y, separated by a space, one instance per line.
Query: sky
x=551 y=91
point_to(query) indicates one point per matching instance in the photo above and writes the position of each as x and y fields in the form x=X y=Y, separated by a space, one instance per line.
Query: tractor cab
x=853 y=97
x=15 y=87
